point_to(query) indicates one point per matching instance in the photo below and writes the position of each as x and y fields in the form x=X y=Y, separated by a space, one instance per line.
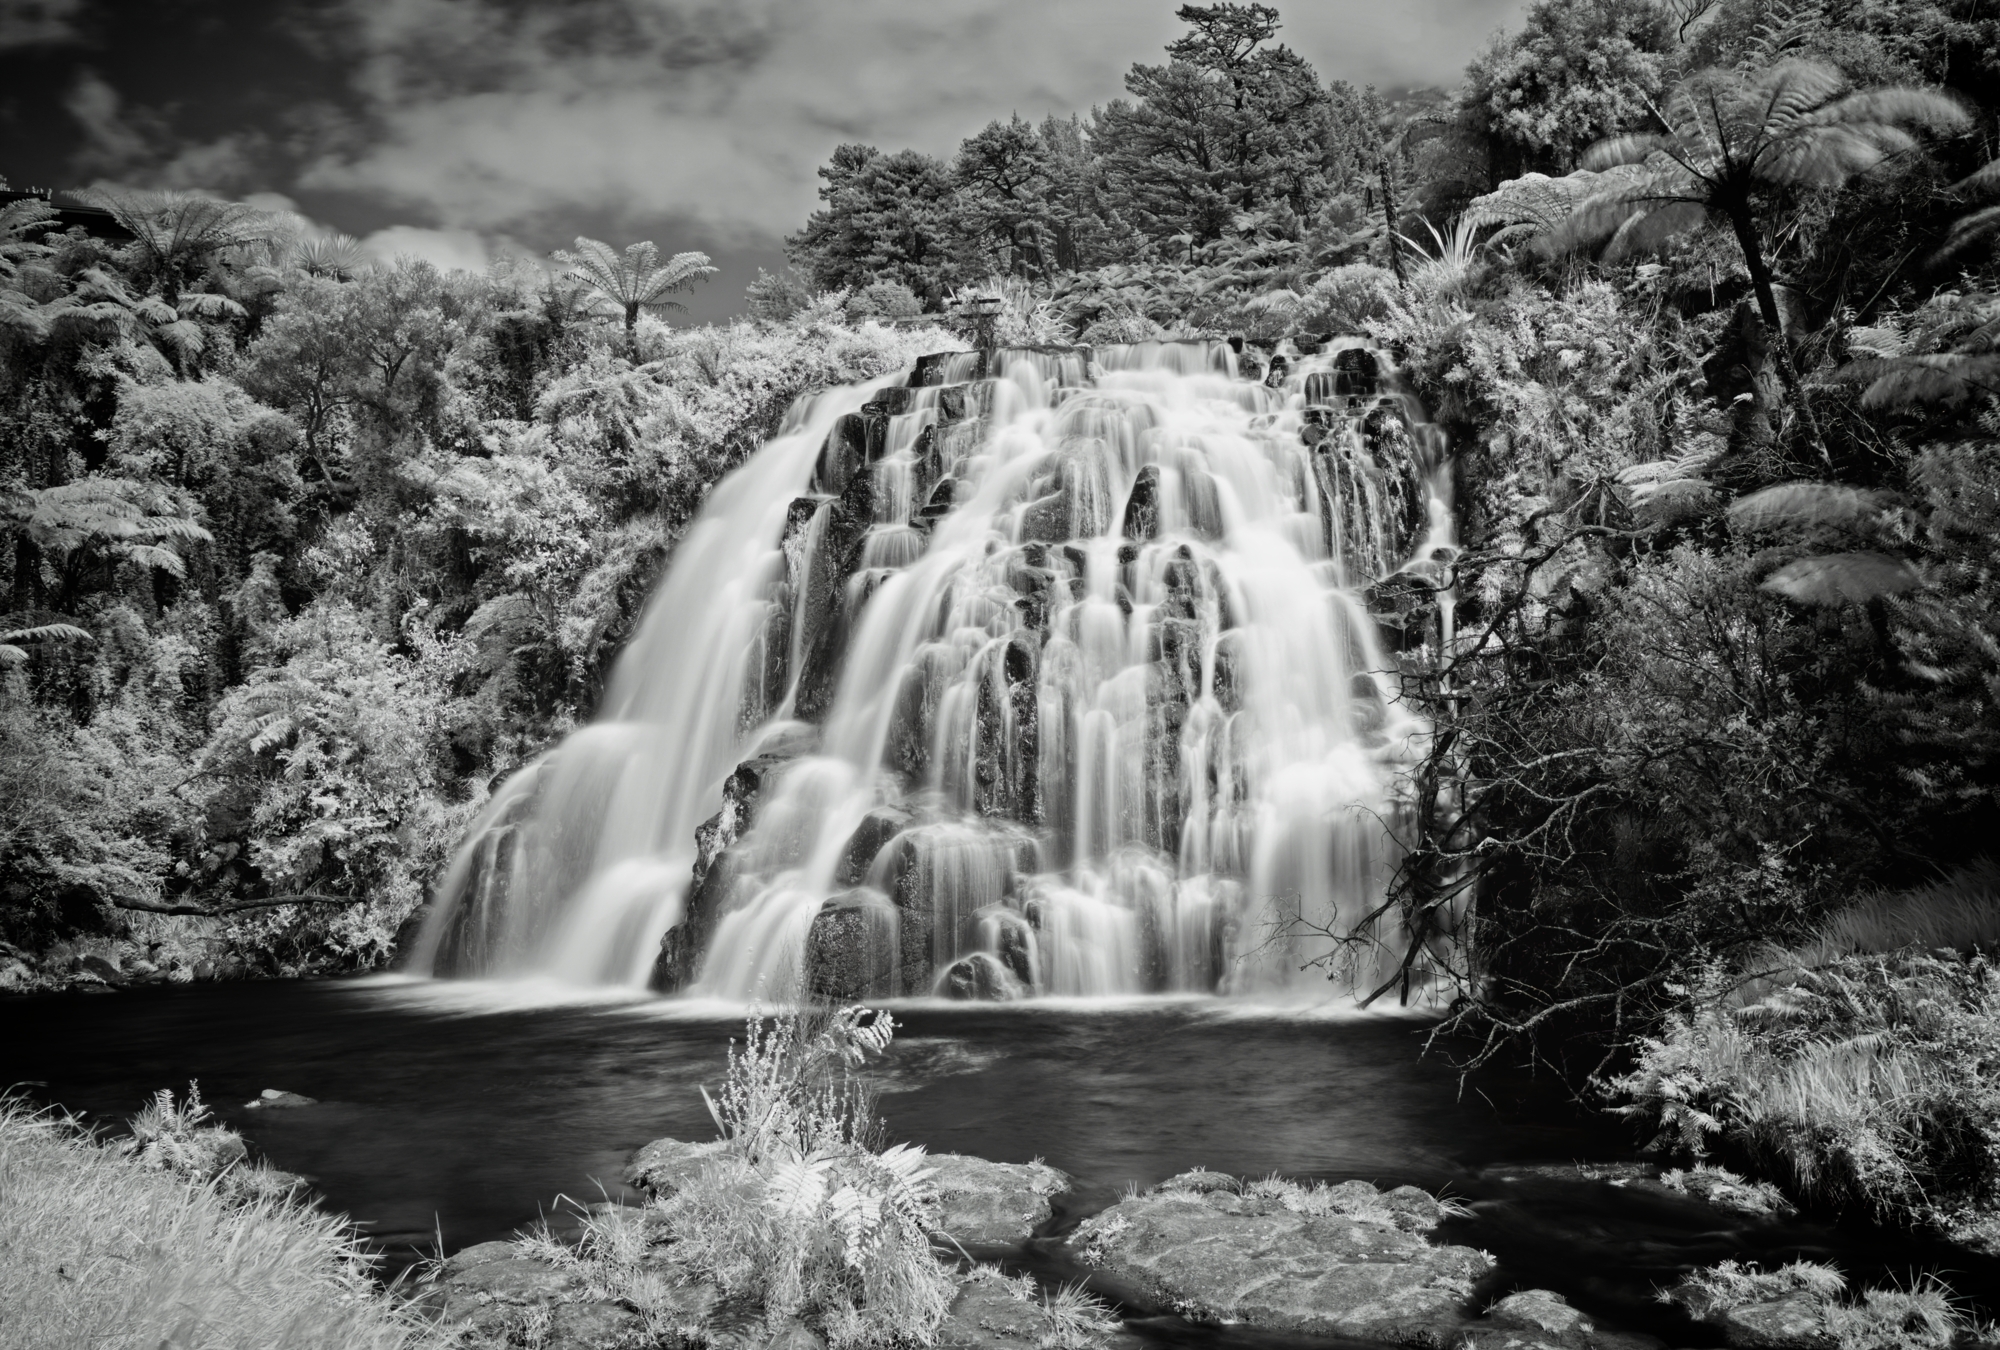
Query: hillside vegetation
x=302 y=555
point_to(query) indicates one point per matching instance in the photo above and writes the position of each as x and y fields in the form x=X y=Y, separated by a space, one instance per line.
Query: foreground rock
x=493 y=1296
x=987 y=1204
x=665 y=1165
x=1346 y=1260
x=996 y=1312
x=983 y=1205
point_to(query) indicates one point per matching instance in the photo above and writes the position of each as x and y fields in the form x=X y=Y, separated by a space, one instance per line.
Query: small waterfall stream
x=1030 y=672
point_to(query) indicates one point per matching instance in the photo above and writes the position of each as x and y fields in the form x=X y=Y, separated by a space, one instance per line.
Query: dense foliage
x=302 y=554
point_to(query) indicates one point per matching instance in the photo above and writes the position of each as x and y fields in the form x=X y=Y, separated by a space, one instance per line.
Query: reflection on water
x=464 y=1111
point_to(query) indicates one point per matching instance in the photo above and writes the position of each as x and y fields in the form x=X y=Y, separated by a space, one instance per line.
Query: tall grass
x=100 y=1251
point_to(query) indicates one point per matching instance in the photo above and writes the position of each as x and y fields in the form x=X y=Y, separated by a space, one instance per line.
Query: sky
x=460 y=129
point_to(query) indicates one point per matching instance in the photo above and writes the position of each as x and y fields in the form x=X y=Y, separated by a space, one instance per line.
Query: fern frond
x=1798 y=506
x=1842 y=579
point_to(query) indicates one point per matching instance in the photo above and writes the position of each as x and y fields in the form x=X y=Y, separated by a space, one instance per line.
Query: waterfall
x=1025 y=672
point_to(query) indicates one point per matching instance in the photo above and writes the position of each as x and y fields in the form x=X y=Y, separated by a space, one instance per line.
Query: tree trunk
x=1389 y=219
x=1745 y=226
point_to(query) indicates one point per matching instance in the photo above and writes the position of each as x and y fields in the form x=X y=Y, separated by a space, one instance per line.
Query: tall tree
x=1578 y=71
x=887 y=217
x=1233 y=123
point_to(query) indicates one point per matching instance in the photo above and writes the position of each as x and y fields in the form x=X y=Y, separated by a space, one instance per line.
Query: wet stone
x=664 y=1166
x=989 y=1204
x=595 y=1326
x=1216 y=1256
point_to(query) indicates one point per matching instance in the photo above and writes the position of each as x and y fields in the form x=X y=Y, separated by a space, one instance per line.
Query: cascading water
x=1056 y=680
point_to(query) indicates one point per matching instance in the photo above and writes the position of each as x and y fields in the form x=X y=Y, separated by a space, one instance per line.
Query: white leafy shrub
x=805 y=1213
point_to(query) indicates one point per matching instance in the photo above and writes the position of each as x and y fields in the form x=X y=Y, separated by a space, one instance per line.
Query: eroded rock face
x=665 y=1165
x=989 y=1204
x=714 y=873
x=1362 y=1268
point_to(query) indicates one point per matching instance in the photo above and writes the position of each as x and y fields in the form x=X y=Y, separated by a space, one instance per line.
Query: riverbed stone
x=1346 y=1269
x=1797 y=1322
x=665 y=1165
x=1544 y=1318
x=993 y=1311
x=596 y=1325
x=274 y=1098
x=989 y=1204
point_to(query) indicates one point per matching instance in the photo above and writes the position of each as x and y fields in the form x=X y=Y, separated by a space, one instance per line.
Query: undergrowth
x=1856 y=1077
x=1921 y=1317
x=805 y=1215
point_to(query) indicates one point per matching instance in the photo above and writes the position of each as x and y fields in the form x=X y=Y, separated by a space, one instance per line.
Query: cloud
x=38 y=23
x=491 y=115
x=449 y=250
x=138 y=147
x=110 y=140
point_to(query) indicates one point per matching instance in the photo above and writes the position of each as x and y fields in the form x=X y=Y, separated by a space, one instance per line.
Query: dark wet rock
x=271 y=1098
x=595 y=1325
x=403 y=945
x=1047 y=519
x=1215 y=1255
x=823 y=592
x=714 y=872
x=853 y=949
x=101 y=967
x=990 y=1204
x=980 y=976
x=1142 y=508
x=665 y=1165
x=877 y=828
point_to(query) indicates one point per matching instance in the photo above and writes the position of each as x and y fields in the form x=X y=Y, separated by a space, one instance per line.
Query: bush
x=802 y=1215
x=1922 y=1317
x=802 y=1212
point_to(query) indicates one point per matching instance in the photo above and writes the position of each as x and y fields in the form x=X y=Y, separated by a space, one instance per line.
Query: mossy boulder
x=989 y=1204
x=1338 y=1261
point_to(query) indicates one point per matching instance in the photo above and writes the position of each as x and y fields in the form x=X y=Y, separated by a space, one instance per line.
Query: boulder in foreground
x=1345 y=1260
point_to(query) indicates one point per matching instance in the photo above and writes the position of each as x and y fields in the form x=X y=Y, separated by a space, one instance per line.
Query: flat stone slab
x=1345 y=1260
x=989 y=1204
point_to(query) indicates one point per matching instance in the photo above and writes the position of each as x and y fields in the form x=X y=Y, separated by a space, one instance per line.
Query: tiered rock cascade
x=1030 y=672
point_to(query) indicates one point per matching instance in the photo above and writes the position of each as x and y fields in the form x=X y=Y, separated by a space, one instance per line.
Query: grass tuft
x=102 y=1248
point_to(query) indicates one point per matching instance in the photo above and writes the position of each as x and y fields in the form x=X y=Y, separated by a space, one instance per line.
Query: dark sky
x=456 y=129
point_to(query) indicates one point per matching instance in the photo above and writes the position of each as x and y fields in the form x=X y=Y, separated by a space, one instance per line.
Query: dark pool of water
x=445 y=1113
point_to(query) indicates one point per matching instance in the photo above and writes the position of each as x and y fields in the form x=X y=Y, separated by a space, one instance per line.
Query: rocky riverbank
x=1350 y=1261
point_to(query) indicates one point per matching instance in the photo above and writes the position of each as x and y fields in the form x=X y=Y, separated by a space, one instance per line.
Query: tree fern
x=636 y=281
x=1732 y=133
x=175 y=235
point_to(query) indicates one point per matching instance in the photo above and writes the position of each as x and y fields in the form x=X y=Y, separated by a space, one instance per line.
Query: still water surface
x=463 y=1111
